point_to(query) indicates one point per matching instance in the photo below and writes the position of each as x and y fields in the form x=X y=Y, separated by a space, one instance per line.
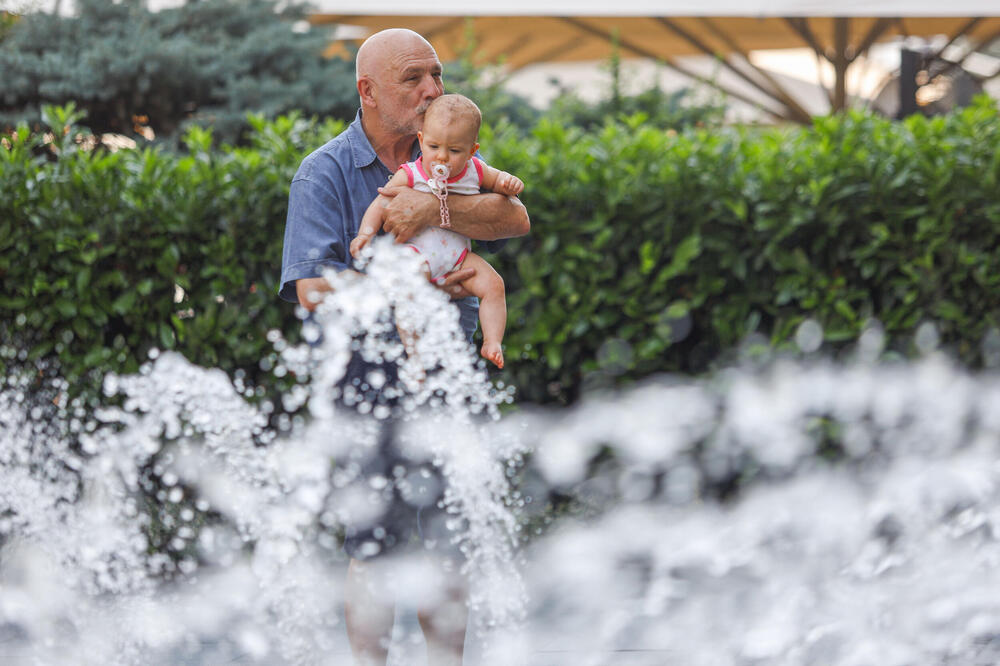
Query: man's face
x=410 y=81
x=448 y=143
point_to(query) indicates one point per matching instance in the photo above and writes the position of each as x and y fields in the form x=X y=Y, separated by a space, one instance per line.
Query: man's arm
x=314 y=241
x=371 y=222
x=484 y=217
x=310 y=291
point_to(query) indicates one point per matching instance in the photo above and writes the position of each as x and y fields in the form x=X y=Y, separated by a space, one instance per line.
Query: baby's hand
x=358 y=244
x=508 y=184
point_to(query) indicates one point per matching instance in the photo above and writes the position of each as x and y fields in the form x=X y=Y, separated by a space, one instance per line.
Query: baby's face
x=446 y=141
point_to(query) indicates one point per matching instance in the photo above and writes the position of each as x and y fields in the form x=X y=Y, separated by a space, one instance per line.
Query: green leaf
x=553 y=355
x=124 y=302
x=845 y=310
x=13 y=303
x=687 y=251
x=94 y=357
x=647 y=257
x=677 y=310
x=65 y=308
x=167 y=338
x=950 y=310
x=82 y=280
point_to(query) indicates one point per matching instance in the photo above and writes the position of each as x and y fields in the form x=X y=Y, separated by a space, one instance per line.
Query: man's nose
x=431 y=87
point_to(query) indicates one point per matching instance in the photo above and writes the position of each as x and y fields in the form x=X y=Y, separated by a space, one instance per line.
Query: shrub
x=651 y=251
x=95 y=245
x=658 y=251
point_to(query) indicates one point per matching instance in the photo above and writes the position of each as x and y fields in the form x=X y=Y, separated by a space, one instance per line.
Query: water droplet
x=927 y=337
x=615 y=356
x=871 y=342
x=991 y=348
x=809 y=336
x=110 y=384
x=376 y=379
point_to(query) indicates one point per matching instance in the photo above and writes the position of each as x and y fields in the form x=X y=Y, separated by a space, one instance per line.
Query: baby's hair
x=457 y=107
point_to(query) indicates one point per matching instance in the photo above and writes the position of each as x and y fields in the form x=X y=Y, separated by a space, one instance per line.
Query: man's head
x=450 y=132
x=398 y=76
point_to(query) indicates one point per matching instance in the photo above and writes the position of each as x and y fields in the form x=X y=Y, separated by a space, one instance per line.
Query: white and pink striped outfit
x=443 y=250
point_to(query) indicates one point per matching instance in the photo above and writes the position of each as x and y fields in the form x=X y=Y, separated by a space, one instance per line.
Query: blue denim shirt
x=329 y=195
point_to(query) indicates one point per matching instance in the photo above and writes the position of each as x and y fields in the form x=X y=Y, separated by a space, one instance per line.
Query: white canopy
x=664 y=8
x=561 y=31
x=525 y=32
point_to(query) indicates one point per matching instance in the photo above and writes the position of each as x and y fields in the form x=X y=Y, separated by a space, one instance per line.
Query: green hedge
x=639 y=234
x=650 y=250
x=92 y=244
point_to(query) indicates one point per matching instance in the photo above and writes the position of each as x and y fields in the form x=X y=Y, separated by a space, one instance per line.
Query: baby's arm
x=501 y=182
x=372 y=220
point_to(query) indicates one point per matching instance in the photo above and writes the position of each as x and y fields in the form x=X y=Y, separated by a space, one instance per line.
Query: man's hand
x=358 y=244
x=452 y=284
x=408 y=212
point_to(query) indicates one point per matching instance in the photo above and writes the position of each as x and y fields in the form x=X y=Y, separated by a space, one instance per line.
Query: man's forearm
x=488 y=216
x=310 y=291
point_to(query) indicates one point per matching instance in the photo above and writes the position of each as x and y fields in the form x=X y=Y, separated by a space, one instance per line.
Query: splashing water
x=886 y=557
x=811 y=513
x=249 y=516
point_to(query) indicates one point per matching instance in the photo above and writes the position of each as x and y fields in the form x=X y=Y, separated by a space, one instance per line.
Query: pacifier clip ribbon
x=438 y=183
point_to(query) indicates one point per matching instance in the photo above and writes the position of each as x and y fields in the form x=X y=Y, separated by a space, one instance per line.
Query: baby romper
x=443 y=250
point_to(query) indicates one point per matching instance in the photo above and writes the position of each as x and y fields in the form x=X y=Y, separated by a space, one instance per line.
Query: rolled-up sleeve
x=314 y=235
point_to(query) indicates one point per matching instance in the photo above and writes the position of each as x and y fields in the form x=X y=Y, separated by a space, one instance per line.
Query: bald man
x=398 y=75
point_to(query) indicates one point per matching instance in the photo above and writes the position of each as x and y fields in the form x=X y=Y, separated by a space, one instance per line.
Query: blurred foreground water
x=806 y=513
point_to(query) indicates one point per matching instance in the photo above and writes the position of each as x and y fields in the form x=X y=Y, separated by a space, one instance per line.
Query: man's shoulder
x=334 y=155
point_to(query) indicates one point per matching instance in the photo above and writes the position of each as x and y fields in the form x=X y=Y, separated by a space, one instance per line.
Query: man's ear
x=366 y=90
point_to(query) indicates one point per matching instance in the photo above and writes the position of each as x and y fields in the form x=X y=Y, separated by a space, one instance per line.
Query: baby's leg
x=488 y=286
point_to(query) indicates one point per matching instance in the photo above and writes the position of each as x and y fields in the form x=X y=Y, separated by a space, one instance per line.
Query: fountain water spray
x=805 y=513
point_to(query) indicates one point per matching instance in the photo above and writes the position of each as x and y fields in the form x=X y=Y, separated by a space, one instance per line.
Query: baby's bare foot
x=492 y=352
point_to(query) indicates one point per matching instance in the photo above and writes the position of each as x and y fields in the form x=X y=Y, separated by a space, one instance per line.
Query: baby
x=448 y=143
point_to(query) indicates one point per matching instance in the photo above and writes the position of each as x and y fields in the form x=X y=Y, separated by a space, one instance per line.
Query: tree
x=209 y=62
x=6 y=21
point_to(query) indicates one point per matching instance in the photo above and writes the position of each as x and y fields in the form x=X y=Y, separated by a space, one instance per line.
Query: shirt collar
x=361 y=148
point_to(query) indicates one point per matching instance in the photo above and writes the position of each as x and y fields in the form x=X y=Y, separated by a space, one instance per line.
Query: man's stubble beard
x=414 y=125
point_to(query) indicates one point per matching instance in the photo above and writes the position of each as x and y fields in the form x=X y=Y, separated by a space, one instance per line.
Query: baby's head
x=450 y=132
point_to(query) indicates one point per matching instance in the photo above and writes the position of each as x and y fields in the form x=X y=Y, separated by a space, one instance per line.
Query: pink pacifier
x=440 y=173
